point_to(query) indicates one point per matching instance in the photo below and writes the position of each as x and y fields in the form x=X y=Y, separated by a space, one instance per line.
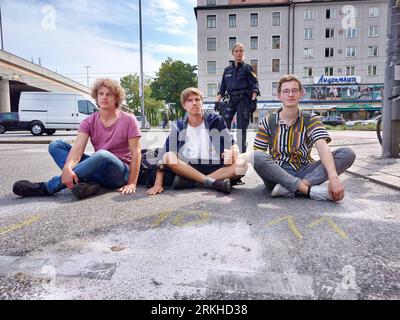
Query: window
x=330 y=13
x=351 y=32
x=276 y=19
x=86 y=107
x=308 y=71
x=308 y=33
x=373 y=12
x=372 y=51
x=372 y=70
x=351 y=51
x=211 y=67
x=329 y=33
x=350 y=12
x=211 y=21
x=276 y=65
x=329 y=52
x=232 y=21
x=274 y=88
x=253 y=43
x=308 y=53
x=211 y=89
x=232 y=42
x=373 y=31
x=211 y=44
x=308 y=14
x=253 y=19
x=350 y=70
x=254 y=64
x=276 y=42
x=329 y=71
x=211 y=2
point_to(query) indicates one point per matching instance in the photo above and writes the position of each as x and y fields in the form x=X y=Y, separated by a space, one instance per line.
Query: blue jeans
x=102 y=167
x=314 y=173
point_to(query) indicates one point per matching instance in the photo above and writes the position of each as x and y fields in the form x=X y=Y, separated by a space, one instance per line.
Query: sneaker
x=83 y=190
x=24 y=188
x=281 y=191
x=320 y=193
x=237 y=182
x=223 y=185
x=182 y=183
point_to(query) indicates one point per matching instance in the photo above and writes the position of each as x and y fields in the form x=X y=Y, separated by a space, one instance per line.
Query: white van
x=48 y=111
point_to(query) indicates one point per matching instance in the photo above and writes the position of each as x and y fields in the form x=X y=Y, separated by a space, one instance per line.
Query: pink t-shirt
x=115 y=138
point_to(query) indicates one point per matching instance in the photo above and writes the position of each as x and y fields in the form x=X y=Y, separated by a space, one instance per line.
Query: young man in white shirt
x=200 y=148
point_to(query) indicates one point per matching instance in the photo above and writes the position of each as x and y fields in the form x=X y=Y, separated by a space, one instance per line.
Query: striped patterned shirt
x=291 y=144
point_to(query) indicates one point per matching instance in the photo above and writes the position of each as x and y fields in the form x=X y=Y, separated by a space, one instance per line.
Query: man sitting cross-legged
x=201 y=149
x=289 y=136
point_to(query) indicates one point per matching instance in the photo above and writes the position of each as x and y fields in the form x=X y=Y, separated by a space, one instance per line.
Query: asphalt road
x=194 y=244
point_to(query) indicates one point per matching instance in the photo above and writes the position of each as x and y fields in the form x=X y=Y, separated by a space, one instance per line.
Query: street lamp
x=1 y=30
x=141 y=82
x=87 y=75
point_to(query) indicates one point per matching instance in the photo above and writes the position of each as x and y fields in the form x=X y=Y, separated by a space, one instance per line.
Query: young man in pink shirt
x=115 y=136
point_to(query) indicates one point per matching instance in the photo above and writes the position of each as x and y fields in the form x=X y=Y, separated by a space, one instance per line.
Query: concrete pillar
x=5 y=104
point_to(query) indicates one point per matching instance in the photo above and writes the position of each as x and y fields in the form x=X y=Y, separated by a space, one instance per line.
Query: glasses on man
x=290 y=91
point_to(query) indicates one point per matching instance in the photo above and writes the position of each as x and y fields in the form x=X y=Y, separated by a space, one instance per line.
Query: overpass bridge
x=18 y=75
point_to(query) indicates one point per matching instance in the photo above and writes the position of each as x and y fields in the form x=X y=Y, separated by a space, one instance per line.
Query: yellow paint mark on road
x=331 y=223
x=18 y=225
x=161 y=218
x=204 y=216
x=292 y=225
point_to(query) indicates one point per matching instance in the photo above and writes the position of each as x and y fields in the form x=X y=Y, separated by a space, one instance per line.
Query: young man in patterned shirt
x=289 y=136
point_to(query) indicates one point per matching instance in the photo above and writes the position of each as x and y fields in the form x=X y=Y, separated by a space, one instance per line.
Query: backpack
x=148 y=166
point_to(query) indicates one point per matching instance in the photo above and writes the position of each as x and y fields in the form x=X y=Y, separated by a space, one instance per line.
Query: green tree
x=172 y=78
x=151 y=106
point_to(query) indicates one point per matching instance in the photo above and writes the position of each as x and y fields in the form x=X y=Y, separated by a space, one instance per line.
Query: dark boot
x=223 y=185
x=24 y=188
x=84 y=189
x=183 y=183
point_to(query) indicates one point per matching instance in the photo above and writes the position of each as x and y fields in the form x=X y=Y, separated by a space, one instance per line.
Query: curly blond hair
x=113 y=85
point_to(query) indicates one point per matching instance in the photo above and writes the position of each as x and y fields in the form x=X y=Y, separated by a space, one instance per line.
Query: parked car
x=362 y=122
x=9 y=121
x=333 y=120
x=147 y=124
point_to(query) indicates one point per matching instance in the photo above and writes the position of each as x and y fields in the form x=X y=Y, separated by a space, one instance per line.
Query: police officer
x=240 y=84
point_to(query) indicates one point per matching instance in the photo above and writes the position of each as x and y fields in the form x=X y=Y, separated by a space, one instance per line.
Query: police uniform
x=239 y=82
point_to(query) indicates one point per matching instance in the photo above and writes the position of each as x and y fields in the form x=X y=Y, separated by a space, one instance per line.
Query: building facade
x=337 y=48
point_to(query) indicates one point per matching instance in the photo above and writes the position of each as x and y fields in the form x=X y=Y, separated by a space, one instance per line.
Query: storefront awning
x=356 y=108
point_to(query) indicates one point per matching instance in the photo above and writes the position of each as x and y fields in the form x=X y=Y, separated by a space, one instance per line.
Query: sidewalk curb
x=383 y=183
x=32 y=141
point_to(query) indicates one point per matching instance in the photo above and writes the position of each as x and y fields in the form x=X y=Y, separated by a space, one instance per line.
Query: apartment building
x=325 y=43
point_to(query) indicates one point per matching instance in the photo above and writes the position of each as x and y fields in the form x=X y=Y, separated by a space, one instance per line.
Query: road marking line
x=331 y=223
x=291 y=223
x=204 y=216
x=18 y=225
x=160 y=219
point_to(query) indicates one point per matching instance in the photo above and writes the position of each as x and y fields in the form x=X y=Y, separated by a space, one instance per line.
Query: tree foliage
x=172 y=78
x=152 y=106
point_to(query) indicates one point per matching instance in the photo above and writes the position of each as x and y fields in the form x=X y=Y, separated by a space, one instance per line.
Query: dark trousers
x=239 y=105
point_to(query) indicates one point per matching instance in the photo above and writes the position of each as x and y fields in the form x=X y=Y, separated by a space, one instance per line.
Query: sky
x=68 y=35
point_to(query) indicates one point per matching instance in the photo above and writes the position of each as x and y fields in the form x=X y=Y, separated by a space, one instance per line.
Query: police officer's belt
x=237 y=92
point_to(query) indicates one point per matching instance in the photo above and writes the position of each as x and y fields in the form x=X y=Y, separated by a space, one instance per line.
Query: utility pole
x=1 y=30
x=141 y=82
x=87 y=75
x=391 y=107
